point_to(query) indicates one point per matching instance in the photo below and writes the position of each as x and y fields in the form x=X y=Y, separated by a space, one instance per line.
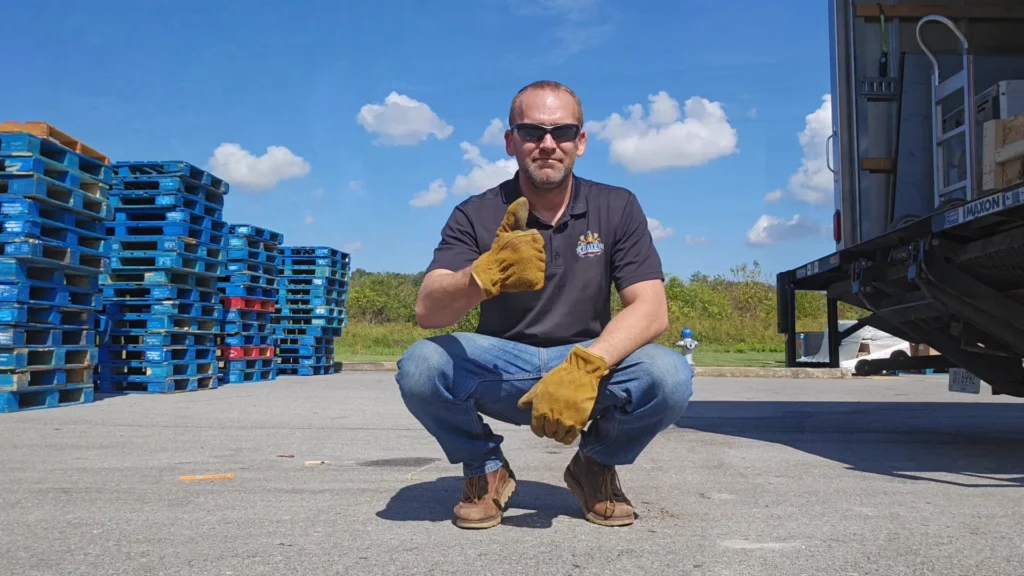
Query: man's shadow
x=434 y=502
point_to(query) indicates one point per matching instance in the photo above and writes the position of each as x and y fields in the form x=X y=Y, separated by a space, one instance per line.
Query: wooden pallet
x=44 y=130
x=1002 y=156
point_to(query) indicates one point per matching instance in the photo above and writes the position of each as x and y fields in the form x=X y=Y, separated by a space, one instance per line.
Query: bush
x=735 y=313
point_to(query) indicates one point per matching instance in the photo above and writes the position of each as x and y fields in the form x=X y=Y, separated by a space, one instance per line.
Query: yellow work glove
x=563 y=399
x=516 y=259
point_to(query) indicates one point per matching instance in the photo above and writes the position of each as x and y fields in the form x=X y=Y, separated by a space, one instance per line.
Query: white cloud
x=247 y=171
x=432 y=196
x=658 y=230
x=317 y=192
x=773 y=196
x=352 y=246
x=494 y=134
x=356 y=185
x=484 y=174
x=662 y=139
x=309 y=220
x=752 y=113
x=402 y=121
x=772 y=230
x=696 y=240
x=812 y=182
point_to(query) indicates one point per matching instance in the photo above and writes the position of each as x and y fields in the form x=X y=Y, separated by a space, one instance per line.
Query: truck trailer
x=926 y=154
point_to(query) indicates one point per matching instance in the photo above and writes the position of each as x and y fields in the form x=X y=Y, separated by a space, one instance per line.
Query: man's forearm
x=445 y=297
x=636 y=325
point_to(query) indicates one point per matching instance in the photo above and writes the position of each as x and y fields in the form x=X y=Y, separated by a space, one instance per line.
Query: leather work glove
x=563 y=399
x=516 y=260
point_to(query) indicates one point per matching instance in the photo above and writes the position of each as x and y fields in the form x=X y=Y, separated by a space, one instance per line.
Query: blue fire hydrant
x=687 y=343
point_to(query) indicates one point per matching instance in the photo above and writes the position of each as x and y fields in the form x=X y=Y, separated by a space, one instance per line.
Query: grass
x=386 y=343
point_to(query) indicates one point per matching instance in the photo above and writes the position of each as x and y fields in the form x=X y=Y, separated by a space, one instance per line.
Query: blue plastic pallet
x=257 y=233
x=44 y=253
x=63 y=296
x=169 y=322
x=158 y=277
x=88 y=202
x=41 y=335
x=145 y=371
x=163 y=308
x=255 y=256
x=163 y=339
x=18 y=358
x=315 y=252
x=139 y=230
x=45 y=314
x=285 y=350
x=132 y=200
x=137 y=353
x=286 y=331
x=248 y=376
x=248 y=339
x=128 y=385
x=22 y=144
x=168 y=244
x=305 y=370
x=136 y=292
x=128 y=262
x=284 y=341
x=13 y=271
x=49 y=376
x=11 y=401
x=164 y=168
x=286 y=271
x=246 y=364
x=310 y=282
x=34 y=164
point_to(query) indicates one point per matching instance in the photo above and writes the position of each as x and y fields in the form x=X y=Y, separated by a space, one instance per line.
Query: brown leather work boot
x=597 y=488
x=484 y=499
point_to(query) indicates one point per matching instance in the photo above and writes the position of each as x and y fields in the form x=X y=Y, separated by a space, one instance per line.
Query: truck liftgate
x=928 y=171
x=954 y=281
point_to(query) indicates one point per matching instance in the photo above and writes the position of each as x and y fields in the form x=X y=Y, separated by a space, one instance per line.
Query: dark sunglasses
x=535 y=132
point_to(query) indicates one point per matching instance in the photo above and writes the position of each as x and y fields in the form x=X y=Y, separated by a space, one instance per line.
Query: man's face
x=545 y=163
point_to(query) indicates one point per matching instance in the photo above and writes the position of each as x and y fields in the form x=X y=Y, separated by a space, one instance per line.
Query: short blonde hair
x=547 y=85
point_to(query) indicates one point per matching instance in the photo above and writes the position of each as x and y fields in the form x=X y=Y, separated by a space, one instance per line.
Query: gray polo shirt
x=601 y=239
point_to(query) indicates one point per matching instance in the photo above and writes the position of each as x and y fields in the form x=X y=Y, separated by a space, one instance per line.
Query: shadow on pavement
x=434 y=501
x=959 y=444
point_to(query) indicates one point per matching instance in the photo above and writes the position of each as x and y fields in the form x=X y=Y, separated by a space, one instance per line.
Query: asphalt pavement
x=331 y=475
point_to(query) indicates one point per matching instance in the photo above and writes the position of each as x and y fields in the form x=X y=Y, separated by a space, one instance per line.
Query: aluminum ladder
x=962 y=81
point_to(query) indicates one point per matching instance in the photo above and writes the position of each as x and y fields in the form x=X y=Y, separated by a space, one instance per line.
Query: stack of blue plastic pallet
x=53 y=204
x=249 y=295
x=311 y=308
x=161 y=300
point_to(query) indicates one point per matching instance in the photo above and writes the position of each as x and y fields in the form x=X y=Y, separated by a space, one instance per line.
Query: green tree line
x=735 y=310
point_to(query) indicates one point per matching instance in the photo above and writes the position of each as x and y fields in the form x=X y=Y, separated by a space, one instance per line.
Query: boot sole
x=577 y=491
x=503 y=498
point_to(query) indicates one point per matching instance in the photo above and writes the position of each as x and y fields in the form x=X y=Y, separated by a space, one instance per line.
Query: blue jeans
x=448 y=381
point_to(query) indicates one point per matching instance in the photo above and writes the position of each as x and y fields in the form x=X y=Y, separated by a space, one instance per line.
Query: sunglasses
x=535 y=132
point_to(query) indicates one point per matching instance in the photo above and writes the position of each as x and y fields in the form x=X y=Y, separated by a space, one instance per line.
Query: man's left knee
x=662 y=377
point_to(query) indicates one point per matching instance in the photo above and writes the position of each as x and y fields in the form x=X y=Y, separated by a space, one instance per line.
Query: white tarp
x=880 y=345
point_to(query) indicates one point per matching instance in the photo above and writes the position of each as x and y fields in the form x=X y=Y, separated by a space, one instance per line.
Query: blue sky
x=292 y=106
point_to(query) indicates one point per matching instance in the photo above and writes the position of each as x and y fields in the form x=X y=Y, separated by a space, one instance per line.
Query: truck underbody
x=953 y=281
x=929 y=221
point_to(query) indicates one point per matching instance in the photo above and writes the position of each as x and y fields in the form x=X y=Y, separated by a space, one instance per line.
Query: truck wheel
x=862 y=368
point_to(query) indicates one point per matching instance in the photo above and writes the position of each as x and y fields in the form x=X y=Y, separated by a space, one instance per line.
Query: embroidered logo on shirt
x=589 y=244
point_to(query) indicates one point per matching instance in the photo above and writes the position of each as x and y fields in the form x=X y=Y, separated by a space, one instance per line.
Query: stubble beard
x=543 y=179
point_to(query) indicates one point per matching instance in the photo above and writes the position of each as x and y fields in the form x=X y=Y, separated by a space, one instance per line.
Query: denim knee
x=667 y=380
x=424 y=372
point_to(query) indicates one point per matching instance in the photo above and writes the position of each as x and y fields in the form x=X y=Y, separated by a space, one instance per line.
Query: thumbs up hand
x=516 y=260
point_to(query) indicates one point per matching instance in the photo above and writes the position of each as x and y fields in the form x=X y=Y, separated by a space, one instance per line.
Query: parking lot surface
x=331 y=475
